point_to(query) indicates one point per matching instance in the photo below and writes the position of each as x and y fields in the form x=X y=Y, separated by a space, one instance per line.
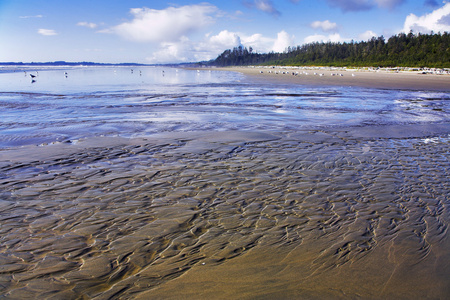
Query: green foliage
x=402 y=50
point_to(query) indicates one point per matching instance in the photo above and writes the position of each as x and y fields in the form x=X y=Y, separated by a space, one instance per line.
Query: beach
x=214 y=184
x=202 y=215
x=364 y=77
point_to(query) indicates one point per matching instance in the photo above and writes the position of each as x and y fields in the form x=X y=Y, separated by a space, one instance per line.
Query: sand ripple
x=113 y=222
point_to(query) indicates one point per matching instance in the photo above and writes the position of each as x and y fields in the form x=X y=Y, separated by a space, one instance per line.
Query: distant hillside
x=402 y=50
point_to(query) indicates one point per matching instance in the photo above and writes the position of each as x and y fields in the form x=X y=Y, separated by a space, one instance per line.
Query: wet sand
x=362 y=78
x=357 y=212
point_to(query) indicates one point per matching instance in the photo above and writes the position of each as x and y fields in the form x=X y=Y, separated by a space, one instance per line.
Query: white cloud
x=47 y=32
x=87 y=24
x=263 y=5
x=283 y=41
x=437 y=21
x=28 y=17
x=324 y=25
x=258 y=42
x=225 y=40
x=266 y=6
x=335 y=38
x=167 y=25
x=173 y=52
x=185 y=50
x=365 y=36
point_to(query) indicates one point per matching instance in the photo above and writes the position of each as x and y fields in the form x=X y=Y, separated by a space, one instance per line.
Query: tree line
x=401 y=50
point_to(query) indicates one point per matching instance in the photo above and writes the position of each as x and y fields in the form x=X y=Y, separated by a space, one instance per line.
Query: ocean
x=140 y=182
x=92 y=101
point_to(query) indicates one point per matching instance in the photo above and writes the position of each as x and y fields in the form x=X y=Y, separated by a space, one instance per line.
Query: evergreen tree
x=401 y=50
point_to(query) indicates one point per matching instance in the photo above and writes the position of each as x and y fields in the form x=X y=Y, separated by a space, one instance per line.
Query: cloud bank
x=167 y=25
x=171 y=31
x=211 y=46
x=437 y=21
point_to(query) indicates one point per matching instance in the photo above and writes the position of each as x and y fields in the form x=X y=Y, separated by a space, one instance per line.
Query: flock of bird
x=33 y=76
x=304 y=73
x=66 y=75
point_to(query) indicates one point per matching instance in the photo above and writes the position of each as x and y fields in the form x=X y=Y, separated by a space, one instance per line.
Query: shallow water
x=129 y=102
x=317 y=201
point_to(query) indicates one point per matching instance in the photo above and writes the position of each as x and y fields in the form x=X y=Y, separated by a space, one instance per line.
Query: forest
x=401 y=50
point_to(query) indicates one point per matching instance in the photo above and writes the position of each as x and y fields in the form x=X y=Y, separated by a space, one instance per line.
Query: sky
x=147 y=31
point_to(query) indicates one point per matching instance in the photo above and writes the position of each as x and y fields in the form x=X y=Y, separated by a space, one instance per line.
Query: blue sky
x=180 y=31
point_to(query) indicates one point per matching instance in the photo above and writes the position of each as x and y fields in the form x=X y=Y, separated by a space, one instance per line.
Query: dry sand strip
x=347 y=77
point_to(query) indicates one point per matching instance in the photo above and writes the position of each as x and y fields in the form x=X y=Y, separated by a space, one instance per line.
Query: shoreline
x=327 y=76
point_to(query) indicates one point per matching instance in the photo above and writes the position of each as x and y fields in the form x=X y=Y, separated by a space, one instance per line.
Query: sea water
x=60 y=104
x=231 y=188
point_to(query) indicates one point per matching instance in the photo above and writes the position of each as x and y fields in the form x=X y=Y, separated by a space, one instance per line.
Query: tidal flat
x=185 y=184
x=216 y=215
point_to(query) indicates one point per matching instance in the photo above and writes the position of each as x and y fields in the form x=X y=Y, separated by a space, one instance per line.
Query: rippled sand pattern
x=113 y=222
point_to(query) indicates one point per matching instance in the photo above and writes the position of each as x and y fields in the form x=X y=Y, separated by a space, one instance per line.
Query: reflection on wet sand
x=310 y=214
